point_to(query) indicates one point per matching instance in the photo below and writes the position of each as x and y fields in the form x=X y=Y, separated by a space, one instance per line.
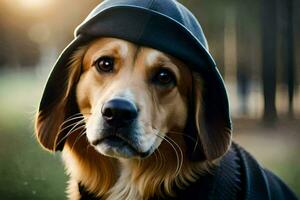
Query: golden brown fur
x=127 y=178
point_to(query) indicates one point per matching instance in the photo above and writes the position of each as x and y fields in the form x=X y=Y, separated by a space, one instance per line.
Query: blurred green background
x=255 y=44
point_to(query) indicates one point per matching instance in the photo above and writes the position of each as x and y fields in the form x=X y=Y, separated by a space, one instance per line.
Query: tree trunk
x=269 y=47
x=244 y=55
x=289 y=54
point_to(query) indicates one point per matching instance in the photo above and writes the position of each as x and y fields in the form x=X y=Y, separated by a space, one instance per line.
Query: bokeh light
x=32 y=4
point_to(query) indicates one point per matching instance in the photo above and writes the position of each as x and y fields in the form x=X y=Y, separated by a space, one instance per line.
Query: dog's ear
x=212 y=120
x=49 y=127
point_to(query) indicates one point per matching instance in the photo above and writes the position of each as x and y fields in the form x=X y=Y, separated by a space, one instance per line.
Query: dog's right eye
x=105 y=64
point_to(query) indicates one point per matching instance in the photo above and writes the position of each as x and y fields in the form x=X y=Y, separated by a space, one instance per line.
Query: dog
x=129 y=97
x=136 y=119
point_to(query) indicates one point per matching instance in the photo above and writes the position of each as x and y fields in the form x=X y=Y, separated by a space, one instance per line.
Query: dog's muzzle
x=120 y=135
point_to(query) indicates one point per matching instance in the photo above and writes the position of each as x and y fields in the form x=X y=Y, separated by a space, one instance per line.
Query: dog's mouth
x=118 y=146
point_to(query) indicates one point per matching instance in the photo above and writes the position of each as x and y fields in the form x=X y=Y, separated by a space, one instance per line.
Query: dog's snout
x=119 y=112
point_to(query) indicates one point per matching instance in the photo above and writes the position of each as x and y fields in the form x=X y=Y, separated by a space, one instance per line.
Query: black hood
x=165 y=25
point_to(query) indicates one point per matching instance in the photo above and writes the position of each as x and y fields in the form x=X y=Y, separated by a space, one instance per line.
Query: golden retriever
x=128 y=140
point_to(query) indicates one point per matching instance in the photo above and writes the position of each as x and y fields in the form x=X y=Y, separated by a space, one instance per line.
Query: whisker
x=174 y=145
x=179 y=148
x=179 y=160
x=76 y=114
x=71 y=131
x=182 y=134
x=161 y=160
x=176 y=153
x=72 y=118
x=66 y=127
x=177 y=156
x=188 y=136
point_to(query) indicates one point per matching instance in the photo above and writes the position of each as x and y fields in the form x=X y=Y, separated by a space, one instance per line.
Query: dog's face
x=131 y=97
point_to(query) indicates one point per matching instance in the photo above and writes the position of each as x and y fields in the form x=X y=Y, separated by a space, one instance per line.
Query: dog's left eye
x=105 y=64
x=164 y=77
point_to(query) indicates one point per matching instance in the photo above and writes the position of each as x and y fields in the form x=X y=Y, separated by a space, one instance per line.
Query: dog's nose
x=119 y=112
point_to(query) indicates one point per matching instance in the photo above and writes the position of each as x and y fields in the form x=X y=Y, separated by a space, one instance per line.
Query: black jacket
x=238 y=177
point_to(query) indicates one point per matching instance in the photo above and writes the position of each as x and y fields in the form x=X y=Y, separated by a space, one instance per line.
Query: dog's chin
x=118 y=148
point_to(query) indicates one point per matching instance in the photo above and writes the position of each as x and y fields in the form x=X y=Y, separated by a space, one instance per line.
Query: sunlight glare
x=34 y=4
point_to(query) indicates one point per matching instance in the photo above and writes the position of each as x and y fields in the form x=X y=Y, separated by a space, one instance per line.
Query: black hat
x=165 y=25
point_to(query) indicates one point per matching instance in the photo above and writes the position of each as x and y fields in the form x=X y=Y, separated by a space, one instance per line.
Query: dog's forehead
x=108 y=46
x=153 y=56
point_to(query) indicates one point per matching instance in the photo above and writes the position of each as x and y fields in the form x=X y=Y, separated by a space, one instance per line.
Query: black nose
x=119 y=112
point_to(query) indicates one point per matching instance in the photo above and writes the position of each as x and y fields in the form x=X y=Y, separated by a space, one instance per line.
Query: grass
x=28 y=172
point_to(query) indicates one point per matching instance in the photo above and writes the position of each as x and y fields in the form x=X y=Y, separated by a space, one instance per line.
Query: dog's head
x=130 y=98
